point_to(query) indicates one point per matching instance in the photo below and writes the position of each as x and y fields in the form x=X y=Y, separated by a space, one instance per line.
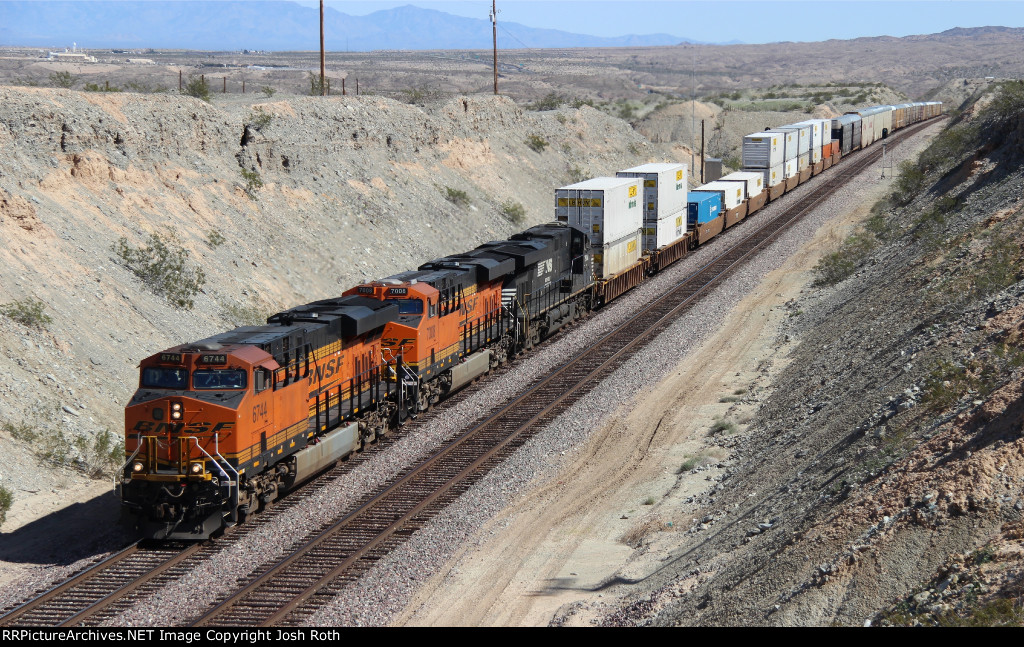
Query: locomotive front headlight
x=196 y=468
x=176 y=411
x=137 y=466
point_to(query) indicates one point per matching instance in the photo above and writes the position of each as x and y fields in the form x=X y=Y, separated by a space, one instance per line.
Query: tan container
x=615 y=257
x=664 y=231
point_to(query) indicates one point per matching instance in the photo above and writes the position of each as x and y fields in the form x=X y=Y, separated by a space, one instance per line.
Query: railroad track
x=296 y=586
x=104 y=589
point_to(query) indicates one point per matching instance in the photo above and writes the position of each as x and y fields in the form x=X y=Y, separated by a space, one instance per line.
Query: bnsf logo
x=325 y=370
x=148 y=426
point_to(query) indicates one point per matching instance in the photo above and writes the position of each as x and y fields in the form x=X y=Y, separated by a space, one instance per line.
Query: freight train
x=221 y=427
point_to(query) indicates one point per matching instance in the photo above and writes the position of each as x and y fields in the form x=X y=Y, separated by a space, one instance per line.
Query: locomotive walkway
x=293 y=588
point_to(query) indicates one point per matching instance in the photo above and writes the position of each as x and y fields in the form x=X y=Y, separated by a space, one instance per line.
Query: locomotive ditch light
x=137 y=467
x=196 y=468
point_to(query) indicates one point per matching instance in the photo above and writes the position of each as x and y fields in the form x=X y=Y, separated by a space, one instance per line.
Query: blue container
x=702 y=207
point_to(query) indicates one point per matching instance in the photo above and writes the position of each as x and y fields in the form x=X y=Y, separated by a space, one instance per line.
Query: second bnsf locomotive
x=219 y=427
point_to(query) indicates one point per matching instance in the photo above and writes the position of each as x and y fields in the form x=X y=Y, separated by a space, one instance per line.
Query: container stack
x=664 y=202
x=732 y=194
x=752 y=182
x=790 y=148
x=803 y=134
x=765 y=153
x=818 y=136
x=609 y=211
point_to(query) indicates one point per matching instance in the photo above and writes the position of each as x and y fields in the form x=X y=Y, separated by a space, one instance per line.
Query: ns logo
x=545 y=267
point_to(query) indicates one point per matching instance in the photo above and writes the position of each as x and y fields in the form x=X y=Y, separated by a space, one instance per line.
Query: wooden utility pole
x=323 y=86
x=494 y=28
x=702 y=151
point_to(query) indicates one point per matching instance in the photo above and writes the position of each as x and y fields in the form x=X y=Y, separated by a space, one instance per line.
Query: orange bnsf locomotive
x=220 y=427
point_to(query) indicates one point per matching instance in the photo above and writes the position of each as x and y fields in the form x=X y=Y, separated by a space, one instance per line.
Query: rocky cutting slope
x=882 y=480
x=335 y=191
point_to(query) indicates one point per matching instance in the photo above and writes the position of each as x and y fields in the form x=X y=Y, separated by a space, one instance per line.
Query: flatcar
x=220 y=427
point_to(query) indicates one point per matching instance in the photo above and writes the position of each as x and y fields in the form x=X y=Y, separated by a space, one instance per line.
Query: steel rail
x=719 y=268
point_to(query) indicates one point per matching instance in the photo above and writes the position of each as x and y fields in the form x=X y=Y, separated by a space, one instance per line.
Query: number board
x=398 y=291
x=213 y=359
x=173 y=358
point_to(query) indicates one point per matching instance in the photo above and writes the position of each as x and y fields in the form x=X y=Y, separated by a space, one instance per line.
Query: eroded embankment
x=885 y=468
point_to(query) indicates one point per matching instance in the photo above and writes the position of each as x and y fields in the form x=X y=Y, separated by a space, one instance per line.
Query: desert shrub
x=948 y=148
x=627 y=111
x=946 y=383
x=62 y=80
x=21 y=432
x=6 y=500
x=316 y=84
x=579 y=103
x=649 y=501
x=514 y=212
x=55 y=448
x=104 y=455
x=550 y=101
x=689 y=464
x=144 y=88
x=245 y=315
x=420 y=95
x=163 y=266
x=909 y=182
x=269 y=91
x=999 y=266
x=877 y=224
x=1008 y=101
x=260 y=118
x=28 y=312
x=253 y=182
x=576 y=174
x=96 y=87
x=214 y=238
x=536 y=143
x=458 y=197
x=197 y=87
x=839 y=265
x=723 y=426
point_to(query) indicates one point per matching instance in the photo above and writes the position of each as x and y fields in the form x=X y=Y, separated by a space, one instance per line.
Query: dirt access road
x=613 y=515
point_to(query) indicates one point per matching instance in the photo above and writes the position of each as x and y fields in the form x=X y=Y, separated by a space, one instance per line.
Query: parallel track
x=298 y=585
x=104 y=589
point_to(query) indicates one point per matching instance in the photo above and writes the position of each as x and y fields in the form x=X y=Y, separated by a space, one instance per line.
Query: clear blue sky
x=750 y=21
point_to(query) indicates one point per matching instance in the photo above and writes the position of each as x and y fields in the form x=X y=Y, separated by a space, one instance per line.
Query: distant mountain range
x=275 y=26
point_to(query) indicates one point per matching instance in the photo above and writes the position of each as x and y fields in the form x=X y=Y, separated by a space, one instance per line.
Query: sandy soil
x=564 y=546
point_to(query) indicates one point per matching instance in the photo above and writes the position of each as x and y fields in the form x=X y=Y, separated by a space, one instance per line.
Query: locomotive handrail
x=119 y=475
